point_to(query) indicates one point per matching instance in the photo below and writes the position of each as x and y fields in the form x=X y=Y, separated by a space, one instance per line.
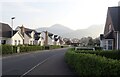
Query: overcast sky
x=75 y=14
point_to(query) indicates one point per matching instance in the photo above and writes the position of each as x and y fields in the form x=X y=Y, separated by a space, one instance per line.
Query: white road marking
x=36 y=66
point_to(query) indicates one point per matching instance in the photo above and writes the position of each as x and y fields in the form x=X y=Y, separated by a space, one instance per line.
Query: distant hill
x=56 y=29
x=93 y=31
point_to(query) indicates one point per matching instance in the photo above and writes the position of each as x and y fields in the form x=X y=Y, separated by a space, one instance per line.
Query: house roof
x=6 y=30
x=37 y=36
x=50 y=35
x=115 y=16
x=26 y=29
x=28 y=33
x=110 y=35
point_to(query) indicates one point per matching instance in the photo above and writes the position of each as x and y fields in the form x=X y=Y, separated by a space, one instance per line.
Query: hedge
x=7 y=49
x=92 y=65
x=109 y=54
x=30 y=48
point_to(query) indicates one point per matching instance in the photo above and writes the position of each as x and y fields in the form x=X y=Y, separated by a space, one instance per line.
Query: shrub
x=92 y=65
x=30 y=48
x=108 y=54
x=54 y=46
x=98 y=48
x=7 y=49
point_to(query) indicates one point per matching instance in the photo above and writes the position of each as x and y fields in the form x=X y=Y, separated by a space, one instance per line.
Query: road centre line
x=36 y=66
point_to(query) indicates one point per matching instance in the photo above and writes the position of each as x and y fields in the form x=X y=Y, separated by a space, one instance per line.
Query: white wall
x=8 y=40
x=26 y=39
x=50 y=41
x=40 y=42
x=17 y=37
x=102 y=43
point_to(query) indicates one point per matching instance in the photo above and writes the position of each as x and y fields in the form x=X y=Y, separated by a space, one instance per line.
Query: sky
x=75 y=14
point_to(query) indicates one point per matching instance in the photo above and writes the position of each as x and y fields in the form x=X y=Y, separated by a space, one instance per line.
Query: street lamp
x=12 y=25
x=12 y=21
x=12 y=30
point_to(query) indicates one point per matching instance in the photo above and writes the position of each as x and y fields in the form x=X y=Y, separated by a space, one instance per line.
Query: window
x=15 y=42
x=3 y=41
x=19 y=42
x=110 y=44
x=39 y=42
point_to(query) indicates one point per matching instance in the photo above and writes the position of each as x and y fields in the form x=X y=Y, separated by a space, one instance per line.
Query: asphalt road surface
x=40 y=63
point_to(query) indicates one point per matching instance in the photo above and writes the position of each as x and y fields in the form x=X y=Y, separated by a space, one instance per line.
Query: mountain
x=56 y=29
x=92 y=31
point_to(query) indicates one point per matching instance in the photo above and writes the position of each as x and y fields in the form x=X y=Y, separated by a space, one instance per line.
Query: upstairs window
x=15 y=42
x=19 y=42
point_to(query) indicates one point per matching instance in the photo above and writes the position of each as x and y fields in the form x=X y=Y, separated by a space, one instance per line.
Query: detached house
x=10 y=36
x=111 y=38
x=31 y=36
x=56 y=40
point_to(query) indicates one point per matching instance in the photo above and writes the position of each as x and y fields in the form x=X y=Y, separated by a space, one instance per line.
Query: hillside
x=93 y=31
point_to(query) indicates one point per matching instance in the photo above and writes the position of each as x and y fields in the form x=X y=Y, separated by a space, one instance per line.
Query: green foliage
x=98 y=48
x=30 y=48
x=55 y=46
x=109 y=54
x=9 y=49
x=92 y=64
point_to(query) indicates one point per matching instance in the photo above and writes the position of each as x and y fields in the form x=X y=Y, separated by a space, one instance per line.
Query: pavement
x=40 y=63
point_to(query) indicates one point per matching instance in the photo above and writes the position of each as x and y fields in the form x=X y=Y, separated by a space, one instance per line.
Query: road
x=40 y=63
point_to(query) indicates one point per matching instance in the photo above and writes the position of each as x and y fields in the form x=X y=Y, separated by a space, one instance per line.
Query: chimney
x=46 y=38
x=22 y=29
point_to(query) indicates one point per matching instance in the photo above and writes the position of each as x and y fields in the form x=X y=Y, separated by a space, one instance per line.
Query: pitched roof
x=115 y=16
x=37 y=36
x=5 y=30
x=26 y=29
x=110 y=35
x=50 y=35
x=28 y=33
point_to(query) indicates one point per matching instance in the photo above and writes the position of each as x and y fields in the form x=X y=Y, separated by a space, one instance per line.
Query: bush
x=30 y=48
x=54 y=46
x=108 y=54
x=92 y=65
x=98 y=48
x=7 y=49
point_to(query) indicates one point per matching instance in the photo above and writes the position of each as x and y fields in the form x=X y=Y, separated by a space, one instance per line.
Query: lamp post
x=12 y=30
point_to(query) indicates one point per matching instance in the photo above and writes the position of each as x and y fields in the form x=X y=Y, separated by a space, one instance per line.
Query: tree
x=90 y=41
x=96 y=42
